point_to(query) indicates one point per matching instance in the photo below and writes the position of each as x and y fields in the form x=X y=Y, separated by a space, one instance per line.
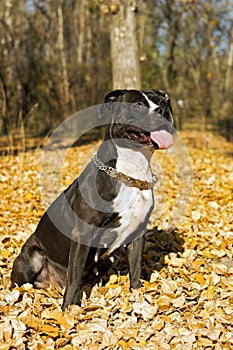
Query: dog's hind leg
x=28 y=266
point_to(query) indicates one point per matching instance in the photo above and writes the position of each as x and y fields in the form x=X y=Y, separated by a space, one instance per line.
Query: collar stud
x=127 y=180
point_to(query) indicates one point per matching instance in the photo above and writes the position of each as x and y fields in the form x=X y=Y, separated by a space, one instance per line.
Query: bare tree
x=124 y=45
x=6 y=81
x=228 y=75
x=62 y=53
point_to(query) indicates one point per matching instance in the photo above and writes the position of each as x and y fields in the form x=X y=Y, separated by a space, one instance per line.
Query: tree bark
x=81 y=22
x=61 y=47
x=227 y=82
x=6 y=127
x=124 y=46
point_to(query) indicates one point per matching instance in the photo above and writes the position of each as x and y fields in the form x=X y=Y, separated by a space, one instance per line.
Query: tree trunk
x=6 y=127
x=124 y=46
x=227 y=82
x=3 y=122
x=172 y=19
x=81 y=26
x=61 y=47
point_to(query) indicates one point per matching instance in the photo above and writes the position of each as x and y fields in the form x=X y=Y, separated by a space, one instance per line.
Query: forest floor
x=186 y=301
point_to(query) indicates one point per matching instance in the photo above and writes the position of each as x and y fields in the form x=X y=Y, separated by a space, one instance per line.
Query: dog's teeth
x=96 y=257
x=112 y=259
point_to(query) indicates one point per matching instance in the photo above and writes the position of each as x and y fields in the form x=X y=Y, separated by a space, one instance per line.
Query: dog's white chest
x=134 y=210
x=133 y=163
x=132 y=204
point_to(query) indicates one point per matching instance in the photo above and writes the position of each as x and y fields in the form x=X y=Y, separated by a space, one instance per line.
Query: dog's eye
x=139 y=105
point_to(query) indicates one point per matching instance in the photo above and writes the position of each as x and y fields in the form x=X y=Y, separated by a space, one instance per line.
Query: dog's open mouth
x=160 y=139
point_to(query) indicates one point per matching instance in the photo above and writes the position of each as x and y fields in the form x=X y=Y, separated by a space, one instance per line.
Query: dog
x=107 y=206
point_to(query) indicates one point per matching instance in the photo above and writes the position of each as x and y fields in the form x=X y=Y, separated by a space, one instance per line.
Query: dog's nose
x=159 y=110
x=164 y=112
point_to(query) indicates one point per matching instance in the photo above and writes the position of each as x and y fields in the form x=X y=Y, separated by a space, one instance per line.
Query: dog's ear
x=169 y=111
x=114 y=95
x=166 y=96
x=162 y=93
x=105 y=109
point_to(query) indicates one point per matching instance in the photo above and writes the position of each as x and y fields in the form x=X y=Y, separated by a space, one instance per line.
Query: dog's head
x=142 y=116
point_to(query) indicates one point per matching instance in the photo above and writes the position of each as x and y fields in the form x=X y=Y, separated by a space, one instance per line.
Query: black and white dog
x=107 y=206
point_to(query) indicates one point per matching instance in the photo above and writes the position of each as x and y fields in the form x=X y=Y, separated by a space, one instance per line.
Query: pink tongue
x=163 y=139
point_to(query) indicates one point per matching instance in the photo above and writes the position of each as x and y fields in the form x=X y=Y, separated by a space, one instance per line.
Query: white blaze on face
x=161 y=137
x=152 y=105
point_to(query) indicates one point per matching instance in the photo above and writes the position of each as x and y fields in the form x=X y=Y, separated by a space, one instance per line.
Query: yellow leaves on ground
x=186 y=301
x=200 y=278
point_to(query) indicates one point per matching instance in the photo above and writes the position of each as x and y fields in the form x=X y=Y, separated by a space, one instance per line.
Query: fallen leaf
x=145 y=310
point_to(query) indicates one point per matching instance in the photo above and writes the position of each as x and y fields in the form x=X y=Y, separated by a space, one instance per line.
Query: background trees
x=57 y=57
x=124 y=45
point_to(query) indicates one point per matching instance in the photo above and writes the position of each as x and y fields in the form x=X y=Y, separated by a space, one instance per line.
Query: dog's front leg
x=77 y=260
x=134 y=259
